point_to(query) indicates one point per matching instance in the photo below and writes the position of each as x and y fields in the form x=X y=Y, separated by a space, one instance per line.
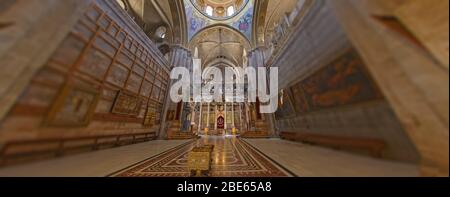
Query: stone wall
x=344 y=103
x=105 y=78
x=405 y=54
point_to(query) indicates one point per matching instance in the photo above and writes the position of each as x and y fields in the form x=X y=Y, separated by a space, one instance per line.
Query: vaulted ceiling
x=220 y=44
x=219 y=7
x=217 y=40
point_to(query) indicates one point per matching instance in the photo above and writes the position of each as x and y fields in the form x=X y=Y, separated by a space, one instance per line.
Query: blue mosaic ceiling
x=242 y=21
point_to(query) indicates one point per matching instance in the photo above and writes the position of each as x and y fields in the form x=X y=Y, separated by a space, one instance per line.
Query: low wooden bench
x=29 y=150
x=374 y=146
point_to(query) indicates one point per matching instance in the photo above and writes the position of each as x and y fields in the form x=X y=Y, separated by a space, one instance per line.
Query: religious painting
x=134 y=83
x=205 y=119
x=158 y=111
x=150 y=115
x=194 y=20
x=74 y=106
x=212 y=119
x=221 y=122
x=244 y=24
x=197 y=21
x=285 y=108
x=229 y=117
x=118 y=75
x=298 y=99
x=127 y=104
x=95 y=63
x=342 y=82
x=237 y=119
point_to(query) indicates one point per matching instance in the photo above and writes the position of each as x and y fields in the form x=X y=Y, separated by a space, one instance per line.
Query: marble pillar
x=179 y=57
x=200 y=121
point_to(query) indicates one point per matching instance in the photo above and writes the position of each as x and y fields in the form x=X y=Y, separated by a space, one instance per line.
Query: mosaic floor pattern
x=232 y=157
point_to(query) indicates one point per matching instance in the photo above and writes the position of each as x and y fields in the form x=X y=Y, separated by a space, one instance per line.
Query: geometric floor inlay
x=231 y=158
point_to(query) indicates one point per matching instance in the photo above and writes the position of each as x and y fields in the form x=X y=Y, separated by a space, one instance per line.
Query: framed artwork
x=150 y=115
x=127 y=104
x=74 y=106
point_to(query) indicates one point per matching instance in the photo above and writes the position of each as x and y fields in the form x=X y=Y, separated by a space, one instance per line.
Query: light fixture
x=161 y=32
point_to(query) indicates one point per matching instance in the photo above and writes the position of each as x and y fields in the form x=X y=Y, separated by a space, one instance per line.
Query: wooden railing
x=374 y=146
x=30 y=150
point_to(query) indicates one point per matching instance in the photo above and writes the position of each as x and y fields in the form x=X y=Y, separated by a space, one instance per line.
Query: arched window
x=122 y=4
x=209 y=10
x=230 y=11
x=161 y=32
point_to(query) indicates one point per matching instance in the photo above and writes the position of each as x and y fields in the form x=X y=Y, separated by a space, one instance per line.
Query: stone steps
x=174 y=133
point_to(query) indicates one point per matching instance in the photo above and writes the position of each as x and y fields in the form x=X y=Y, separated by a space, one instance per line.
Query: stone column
x=215 y=117
x=193 y=113
x=178 y=58
x=247 y=116
x=256 y=57
x=241 y=118
x=225 y=109
x=232 y=113
x=200 y=118
x=414 y=83
x=208 y=115
x=257 y=60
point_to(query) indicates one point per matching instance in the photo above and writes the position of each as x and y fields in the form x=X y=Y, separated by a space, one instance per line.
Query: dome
x=220 y=9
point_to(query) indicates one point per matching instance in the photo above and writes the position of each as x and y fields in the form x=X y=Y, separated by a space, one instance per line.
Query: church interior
x=85 y=88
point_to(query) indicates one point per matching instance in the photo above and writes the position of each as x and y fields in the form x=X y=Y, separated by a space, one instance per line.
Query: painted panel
x=127 y=104
x=286 y=108
x=343 y=82
x=73 y=107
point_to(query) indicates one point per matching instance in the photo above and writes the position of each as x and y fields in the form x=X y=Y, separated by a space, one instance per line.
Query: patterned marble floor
x=232 y=157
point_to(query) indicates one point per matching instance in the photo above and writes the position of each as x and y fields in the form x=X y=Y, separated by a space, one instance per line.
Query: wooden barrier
x=29 y=150
x=374 y=146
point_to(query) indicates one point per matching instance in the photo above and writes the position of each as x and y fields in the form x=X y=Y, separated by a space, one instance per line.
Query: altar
x=200 y=160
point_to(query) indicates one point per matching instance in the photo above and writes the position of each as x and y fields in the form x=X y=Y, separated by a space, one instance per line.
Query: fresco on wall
x=286 y=108
x=299 y=101
x=342 y=82
x=195 y=20
x=245 y=23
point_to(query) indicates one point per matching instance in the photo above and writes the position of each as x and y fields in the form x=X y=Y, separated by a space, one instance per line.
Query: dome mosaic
x=220 y=9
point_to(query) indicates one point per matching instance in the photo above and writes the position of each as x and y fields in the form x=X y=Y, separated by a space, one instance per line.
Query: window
x=122 y=4
x=161 y=32
x=209 y=10
x=230 y=11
